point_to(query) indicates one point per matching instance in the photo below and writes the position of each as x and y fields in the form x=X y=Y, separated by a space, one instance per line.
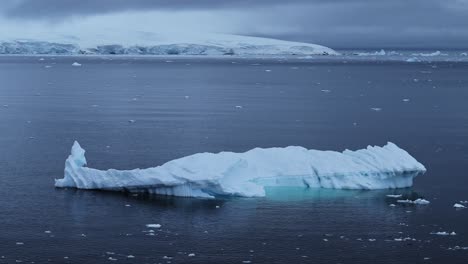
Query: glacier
x=150 y=43
x=210 y=175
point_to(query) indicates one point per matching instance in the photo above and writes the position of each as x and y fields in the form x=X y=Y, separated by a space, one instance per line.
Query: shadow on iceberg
x=247 y=174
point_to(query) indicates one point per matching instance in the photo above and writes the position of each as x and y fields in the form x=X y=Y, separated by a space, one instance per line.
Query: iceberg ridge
x=246 y=174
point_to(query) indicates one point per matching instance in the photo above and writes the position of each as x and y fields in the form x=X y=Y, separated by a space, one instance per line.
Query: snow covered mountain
x=148 y=43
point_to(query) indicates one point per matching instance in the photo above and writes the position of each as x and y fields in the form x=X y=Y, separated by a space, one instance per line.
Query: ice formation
x=436 y=53
x=150 y=43
x=417 y=201
x=246 y=174
x=377 y=53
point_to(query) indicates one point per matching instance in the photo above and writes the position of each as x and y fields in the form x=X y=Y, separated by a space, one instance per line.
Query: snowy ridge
x=246 y=174
x=147 y=43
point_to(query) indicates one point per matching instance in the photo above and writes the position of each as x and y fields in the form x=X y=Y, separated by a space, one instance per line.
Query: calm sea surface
x=181 y=106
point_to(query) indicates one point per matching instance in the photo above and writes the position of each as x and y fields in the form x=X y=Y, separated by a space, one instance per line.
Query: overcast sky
x=334 y=23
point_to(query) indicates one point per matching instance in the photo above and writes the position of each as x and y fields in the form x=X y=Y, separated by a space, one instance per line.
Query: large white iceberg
x=246 y=174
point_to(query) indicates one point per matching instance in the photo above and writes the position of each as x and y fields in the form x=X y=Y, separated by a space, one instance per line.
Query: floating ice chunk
x=153 y=225
x=417 y=201
x=413 y=60
x=406 y=100
x=247 y=174
x=401 y=239
x=377 y=53
x=76 y=64
x=377 y=109
x=394 y=195
x=436 y=53
x=191 y=255
x=457 y=205
x=443 y=233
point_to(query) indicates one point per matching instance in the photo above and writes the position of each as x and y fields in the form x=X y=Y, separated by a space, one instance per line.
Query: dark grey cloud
x=63 y=8
x=337 y=23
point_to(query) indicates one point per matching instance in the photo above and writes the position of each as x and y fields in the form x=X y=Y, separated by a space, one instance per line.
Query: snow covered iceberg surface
x=162 y=44
x=246 y=174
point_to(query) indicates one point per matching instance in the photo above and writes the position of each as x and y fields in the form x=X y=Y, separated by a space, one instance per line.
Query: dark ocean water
x=181 y=106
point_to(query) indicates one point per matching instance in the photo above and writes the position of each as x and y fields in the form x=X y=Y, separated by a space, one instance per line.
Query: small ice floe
x=217 y=207
x=415 y=80
x=377 y=109
x=186 y=97
x=392 y=205
x=417 y=201
x=464 y=202
x=443 y=233
x=112 y=259
x=169 y=61
x=406 y=100
x=458 y=248
x=413 y=60
x=153 y=225
x=131 y=121
x=249 y=261
x=41 y=59
x=401 y=239
x=191 y=255
x=19 y=243
x=130 y=256
x=372 y=239
x=268 y=70
x=459 y=206
x=47 y=232
x=5 y=105
x=76 y=64
x=238 y=106
x=127 y=205
x=47 y=66
x=394 y=195
x=325 y=91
